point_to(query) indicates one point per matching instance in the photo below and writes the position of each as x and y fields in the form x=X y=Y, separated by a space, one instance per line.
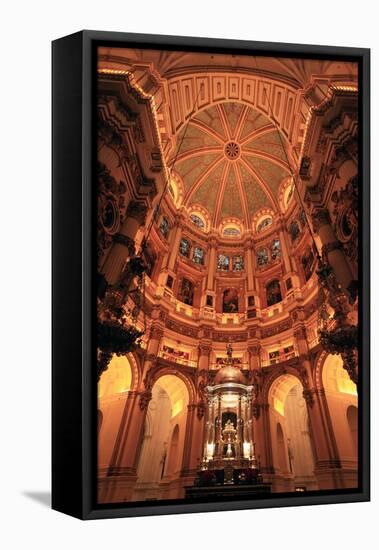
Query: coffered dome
x=230 y=160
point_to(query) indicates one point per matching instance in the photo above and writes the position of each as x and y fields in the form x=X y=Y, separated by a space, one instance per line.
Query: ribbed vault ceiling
x=231 y=161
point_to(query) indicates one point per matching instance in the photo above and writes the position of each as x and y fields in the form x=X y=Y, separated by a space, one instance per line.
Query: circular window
x=232 y=150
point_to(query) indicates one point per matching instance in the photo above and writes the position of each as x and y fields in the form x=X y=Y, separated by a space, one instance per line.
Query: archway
x=342 y=400
x=113 y=389
x=161 y=454
x=293 y=458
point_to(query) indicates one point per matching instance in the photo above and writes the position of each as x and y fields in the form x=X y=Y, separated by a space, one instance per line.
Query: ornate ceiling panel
x=267 y=171
x=194 y=168
x=256 y=197
x=270 y=143
x=206 y=193
x=231 y=203
x=231 y=161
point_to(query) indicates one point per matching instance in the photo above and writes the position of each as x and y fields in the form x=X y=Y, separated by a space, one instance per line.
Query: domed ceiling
x=231 y=162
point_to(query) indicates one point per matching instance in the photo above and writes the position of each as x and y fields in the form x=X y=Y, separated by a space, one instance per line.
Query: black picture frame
x=73 y=273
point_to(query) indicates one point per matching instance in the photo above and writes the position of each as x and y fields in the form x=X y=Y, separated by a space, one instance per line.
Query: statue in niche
x=230 y=301
x=273 y=293
x=186 y=292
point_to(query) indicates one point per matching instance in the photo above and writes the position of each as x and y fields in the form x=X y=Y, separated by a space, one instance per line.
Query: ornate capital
x=119 y=238
x=144 y=399
x=156 y=333
x=137 y=210
x=319 y=218
x=308 y=395
x=254 y=350
x=205 y=348
x=256 y=408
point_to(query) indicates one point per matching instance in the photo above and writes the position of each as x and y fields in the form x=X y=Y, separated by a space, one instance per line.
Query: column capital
x=205 y=348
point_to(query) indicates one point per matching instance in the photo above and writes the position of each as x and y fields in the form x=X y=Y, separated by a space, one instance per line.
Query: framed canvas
x=210 y=275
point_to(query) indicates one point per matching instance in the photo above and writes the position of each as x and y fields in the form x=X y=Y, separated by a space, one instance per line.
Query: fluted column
x=254 y=356
x=123 y=246
x=332 y=248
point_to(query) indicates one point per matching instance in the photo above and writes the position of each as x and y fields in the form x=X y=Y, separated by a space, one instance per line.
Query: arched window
x=223 y=262
x=238 y=264
x=231 y=232
x=185 y=247
x=164 y=227
x=198 y=255
x=273 y=293
x=196 y=220
x=294 y=230
x=262 y=257
x=186 y=291
x=275 y=250
x=264 y=224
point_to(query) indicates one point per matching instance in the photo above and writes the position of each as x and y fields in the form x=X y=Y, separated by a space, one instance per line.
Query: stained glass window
x=238 y=263
x=275 y=249
x=264 y=223
x=196 y=220
x=223 y=262
x=184 y=248
x=231 y=232
x=198 y=255
x=262 y=257
x=164 y=227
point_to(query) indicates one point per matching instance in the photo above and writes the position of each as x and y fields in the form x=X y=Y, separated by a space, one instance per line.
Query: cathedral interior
x=227 y=231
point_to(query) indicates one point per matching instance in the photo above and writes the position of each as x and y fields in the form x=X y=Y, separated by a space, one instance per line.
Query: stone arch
x=292 y=439
x=275 y=374
x=162 y=444
x=156 y=373
x=340 y=396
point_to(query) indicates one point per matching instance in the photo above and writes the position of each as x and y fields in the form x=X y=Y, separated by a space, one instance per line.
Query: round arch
x=155 y=374
x=291 y=437
x=118 y=378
